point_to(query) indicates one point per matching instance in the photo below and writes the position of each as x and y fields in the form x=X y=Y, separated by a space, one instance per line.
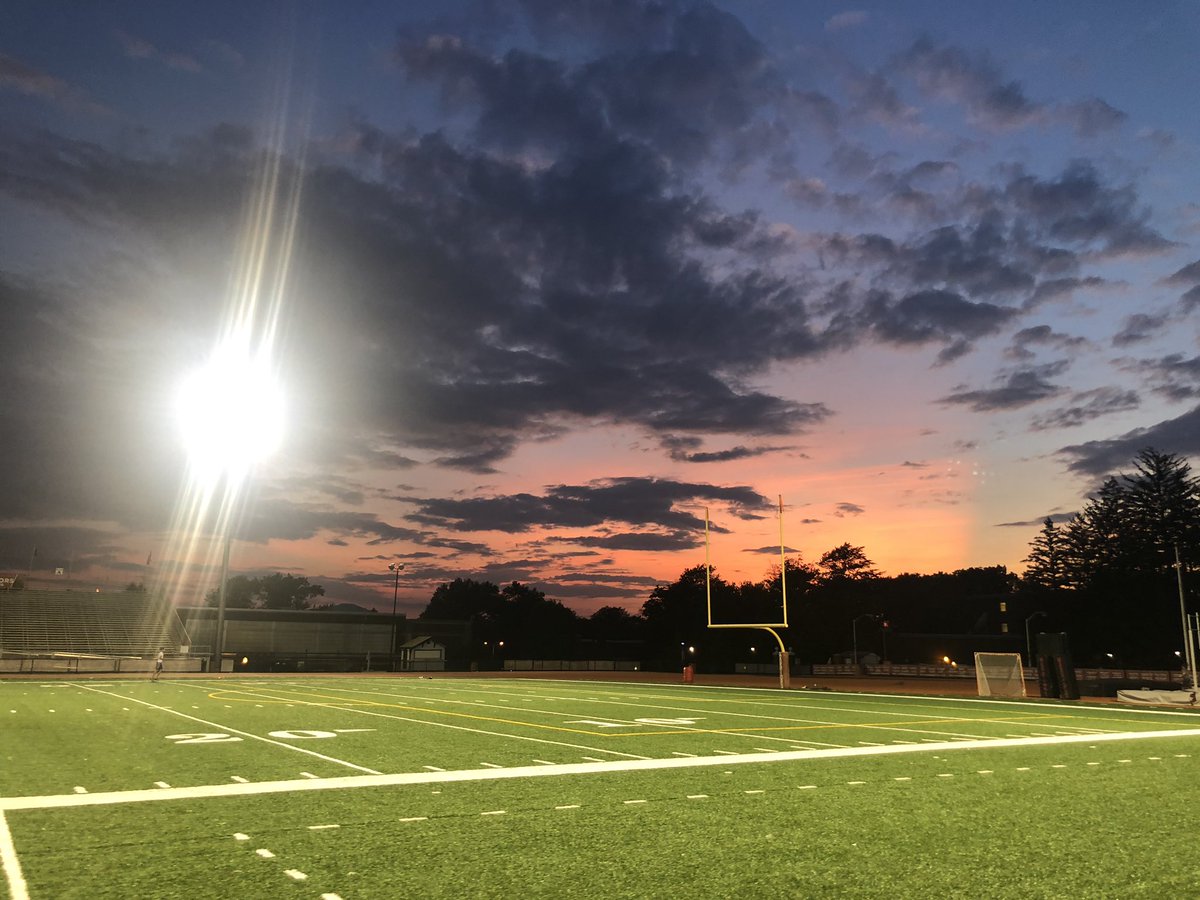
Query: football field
x=382 y=787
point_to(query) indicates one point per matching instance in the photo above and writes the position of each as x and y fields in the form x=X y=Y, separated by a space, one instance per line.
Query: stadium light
x=230 y=412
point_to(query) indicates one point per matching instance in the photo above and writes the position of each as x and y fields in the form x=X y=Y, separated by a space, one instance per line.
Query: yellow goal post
x=785 y=676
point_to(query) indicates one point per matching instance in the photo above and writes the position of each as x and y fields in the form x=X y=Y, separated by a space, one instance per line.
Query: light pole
x=1189 y=647
x=230 y=412
x=395 y=568
x=1028 y=640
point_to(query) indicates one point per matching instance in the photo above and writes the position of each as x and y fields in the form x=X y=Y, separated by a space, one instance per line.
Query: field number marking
x=215 y=737
x=218 y=737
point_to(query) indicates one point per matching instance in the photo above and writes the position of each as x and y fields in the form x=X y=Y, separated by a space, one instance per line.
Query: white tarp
x=1158 y=698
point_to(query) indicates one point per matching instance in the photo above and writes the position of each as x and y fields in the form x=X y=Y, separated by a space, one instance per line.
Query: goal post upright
x=785 y=671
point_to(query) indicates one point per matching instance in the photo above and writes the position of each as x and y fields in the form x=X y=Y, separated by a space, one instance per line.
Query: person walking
x=158 y=666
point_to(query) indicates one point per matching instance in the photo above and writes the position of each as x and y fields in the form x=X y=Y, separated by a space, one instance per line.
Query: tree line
x=1107 y=577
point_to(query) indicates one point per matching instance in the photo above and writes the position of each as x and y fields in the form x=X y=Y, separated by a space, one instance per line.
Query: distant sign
x=59 y=570
x=7 y=581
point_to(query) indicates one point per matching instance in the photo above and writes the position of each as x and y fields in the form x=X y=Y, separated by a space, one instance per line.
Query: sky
x=544 y=281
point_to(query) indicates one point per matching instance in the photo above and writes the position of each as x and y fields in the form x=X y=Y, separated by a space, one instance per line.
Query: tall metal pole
x=219 y=639
x=1189 y=650
x=396 y=568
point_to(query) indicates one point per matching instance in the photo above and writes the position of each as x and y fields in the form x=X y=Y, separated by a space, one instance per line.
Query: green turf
x=1100 y=818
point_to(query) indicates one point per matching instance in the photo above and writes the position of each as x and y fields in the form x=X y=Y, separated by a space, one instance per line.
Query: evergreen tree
x=1048 y=558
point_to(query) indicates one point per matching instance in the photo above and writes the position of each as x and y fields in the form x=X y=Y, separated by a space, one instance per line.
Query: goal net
x=999 y=675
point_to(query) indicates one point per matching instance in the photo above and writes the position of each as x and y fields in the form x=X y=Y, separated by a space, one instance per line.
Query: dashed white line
x=264 y=853
x=295 y=874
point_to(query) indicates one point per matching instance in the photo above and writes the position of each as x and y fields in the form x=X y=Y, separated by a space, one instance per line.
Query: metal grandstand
x=78 y=625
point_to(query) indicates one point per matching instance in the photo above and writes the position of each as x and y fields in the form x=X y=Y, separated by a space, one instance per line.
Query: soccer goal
x=999 y=675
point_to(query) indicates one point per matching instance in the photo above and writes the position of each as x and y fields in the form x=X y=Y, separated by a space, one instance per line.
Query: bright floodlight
x=231 y=413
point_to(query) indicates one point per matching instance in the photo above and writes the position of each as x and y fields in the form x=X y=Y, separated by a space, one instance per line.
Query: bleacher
x=119 y=624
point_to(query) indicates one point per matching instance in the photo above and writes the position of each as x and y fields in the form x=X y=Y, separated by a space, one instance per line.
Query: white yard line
x=333 y=704
x=631 y=765
x=17 y=889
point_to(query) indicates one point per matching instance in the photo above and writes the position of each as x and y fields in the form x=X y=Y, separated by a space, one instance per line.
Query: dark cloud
x=1086 y=406
x=278 y=518
x=1020 y=388
x=1039 y=336
x=1139 y=327
x=654 y=542
x=974 y=82
x=1078 y=207
x=1058 y=518
x=1054 y=288
x=848 y=509
x=934 y=315
x=1175 y=377
x=1180 y=436
x=1188 y=275
x=977 y=84
x=662 y=503
x=687 y=449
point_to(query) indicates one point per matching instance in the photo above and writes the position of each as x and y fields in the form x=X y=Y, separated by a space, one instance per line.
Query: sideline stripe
x=627 y=765
x=17 y=888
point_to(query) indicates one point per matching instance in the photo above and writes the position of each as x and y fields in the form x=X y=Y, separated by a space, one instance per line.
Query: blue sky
x=565 y=274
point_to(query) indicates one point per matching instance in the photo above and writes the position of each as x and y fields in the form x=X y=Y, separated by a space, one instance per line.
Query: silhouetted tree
x=463 y=600
x=240 y=593
x=1048 y=563
x=275 y=591
x=278 y=591
x=845 y=563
